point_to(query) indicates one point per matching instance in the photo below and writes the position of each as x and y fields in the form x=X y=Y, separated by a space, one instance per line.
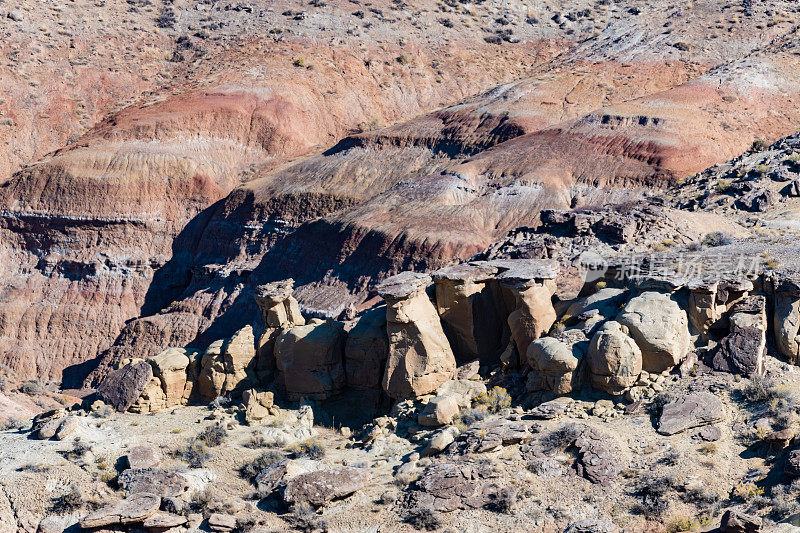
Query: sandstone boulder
x=693 y=410
x=321 y=487
x=226 y=365
x=221 y=522
x=734 y=521
x=68 y=426
x=310 y=360
x=152 y=398
x=554 y=363
x=615 y=360
x=704 y=312
x=133 y=509
x=467 y=302
x=439 y=411
x=269 y=479
x=531 y=283
x=366 y=350
x=278 y=307
x=659 y=327
x=446 y=487
x=591 y=311
x=258 y=405
x=463 y=390
x=164 y=521
x=787 y=318
x=174 y=368
x=591 y=525
x=420 y=358
x=121 y=388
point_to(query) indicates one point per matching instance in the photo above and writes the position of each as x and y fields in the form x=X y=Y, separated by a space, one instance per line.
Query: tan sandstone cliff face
x=175 y=207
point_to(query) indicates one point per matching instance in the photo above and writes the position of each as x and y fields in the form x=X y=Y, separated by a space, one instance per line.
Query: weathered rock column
x=280 y=311
x=787 y=317
x=228 y=365
x=309 y=359
x=703 y=309
x=465 y=303
x=531 y=281
x=366 y=350
x=420 y=358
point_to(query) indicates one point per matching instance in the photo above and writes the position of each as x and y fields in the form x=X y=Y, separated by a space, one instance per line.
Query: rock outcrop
x=123 y=387
x=615 y=360
x=659 y=327
x=468 y=301
x=227 y=365
x=366 y=351
x=787 y=318
x=322 y=487
x=531 y=283
x=420 y=358
x=310 y=360
x=690 y=411
x=555 y=364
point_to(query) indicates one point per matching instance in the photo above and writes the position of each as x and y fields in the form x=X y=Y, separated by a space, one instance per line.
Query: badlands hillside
x=352 y=265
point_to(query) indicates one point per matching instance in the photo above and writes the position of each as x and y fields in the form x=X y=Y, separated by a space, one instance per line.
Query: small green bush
x=250 y=470
x=213 y=435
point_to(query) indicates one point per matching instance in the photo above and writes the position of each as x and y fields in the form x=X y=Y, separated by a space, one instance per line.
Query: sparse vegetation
x=468 y=417
x=32 y=387
x=494 y=400
x=305 y=518
x=250 y=470
x=213 y=436
x=69 y=502
x=312 y=448
x=194 y=453
x=424 y=518
x=759 y=145
x=716 y=238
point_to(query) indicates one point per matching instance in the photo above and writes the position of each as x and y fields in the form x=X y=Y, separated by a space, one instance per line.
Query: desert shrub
x=256 y=441
x=424 y=518
x=404 y=479
x=219 y=401
x=305 y=518
x=69 y=502
x=671 y=458
x=716 y=238
x=253 y=468
x=759 y=145
x=682 y=46
x=78 y=451
x=34 y=468
x=213 y=435
x=194 y=453
x=504 y=500
x=781 y=402
x=166 y=18
x=561 y=438
x=468 y=417
x=747 y=492
x=784 y=501
x=3 y=384
x=495 y=400
x=659 y=401
x=103 y=411
x=709 y=448
x=654 y=492
x=32 y=387
x=11 y=423
x=312 y=448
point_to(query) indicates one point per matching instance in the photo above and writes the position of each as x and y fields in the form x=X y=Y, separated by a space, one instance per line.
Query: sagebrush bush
x=561 y=438
x=305 y=518
x=213 y=435
x=253 y=468
x=69 y=502
x=716 y=238
x=494 y=400
x=312 y=448
x=424 y=518
x=32 y=387
x=194 y=453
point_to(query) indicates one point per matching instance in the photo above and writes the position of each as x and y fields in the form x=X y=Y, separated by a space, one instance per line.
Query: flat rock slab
x=403 y=285
x=153 y=481
x=124 y=386
x=693 y=410
x=321 y=487
x=144 y=457
x=449 y=486
x=133 y=509
x=162 y=520
x=486 y=437
x=221 y=522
